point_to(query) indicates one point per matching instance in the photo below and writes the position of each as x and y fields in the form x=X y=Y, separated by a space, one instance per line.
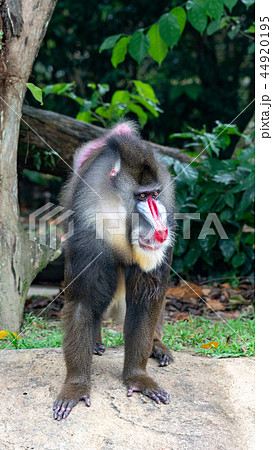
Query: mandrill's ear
x=115 y=170
x=125 y=129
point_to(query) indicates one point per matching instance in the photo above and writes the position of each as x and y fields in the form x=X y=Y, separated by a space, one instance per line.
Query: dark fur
x=91 y=291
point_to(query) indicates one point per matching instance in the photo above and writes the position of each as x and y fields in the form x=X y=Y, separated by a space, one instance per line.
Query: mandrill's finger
x=130 y=392
x=163 y=396
x=62 y=409
x=153 y=396
x=86 y=399
x=164 y=361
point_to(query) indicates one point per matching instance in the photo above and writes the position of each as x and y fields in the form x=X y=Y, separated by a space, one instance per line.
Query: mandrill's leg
x=77 y=348
x=99 y=347
x=144 y=299
x=85 y=302
x=160 y=351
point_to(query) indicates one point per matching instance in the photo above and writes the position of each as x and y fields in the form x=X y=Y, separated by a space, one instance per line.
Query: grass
x=234 y=337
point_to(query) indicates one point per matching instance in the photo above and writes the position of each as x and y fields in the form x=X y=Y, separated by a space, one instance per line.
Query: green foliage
x=235 y=337
x=37 y=333
x=221 y=186
x=219 y=139
x=1 y=37
x=158 y=38
x=203 y=15
x=119 y=52
x=36 y=92
x=158 y=48
x=200 y=80
x=140 y=101
x=169 y=29
x=139 y=46
x=197 y=15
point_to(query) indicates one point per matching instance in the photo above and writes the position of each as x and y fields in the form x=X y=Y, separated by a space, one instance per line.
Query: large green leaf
x=145 y=90
x=230 y=4
x=226 y=214
x=197 y=15
x=36 y=92
x=247 y=200
x=109 y=42
x=119 y=51
x=248 y=3
x=238 y=259
x=181 y=16
x=59 y=88
x=186 y=173
x=229 y=199
x=206 y=202
x=214 y=8
x=169 y=29
x=224 y=177
x=244 y=184
x=120 y=97
x=138 y=110
x=213 y=27
x=208 y=243
x=227 y=247
x=139 y=46
x=147 y=104
x=158 y=48
x=192 y=255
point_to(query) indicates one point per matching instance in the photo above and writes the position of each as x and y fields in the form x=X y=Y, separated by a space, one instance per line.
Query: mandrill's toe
x=62 y=408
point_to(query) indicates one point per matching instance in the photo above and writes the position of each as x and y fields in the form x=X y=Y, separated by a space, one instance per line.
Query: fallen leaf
x=206 y=291
x=186 y=291
x=225 y=285
x=227 y=294
x=5 y=334
x=212 y=344
x=214 y=304
x=176 y=292
x=236 y=300
x=191 y=290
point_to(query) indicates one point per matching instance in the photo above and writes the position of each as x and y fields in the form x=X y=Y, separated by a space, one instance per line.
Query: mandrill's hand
x=70 y=395
x=161 y=353
x=145 y=385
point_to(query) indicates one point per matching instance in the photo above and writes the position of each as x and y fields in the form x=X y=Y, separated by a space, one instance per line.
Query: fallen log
x=63 y=134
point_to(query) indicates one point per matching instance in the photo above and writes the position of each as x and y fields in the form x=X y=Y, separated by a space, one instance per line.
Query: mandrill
x=121 y=249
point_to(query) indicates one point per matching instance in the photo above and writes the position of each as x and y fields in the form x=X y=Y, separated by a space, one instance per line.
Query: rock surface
x=211 y=407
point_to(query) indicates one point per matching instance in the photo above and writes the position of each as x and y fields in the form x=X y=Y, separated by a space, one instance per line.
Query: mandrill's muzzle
x=161 y=232
x=155 y=213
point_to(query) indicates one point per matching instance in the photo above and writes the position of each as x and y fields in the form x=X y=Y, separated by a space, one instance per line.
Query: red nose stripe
x=161 y=232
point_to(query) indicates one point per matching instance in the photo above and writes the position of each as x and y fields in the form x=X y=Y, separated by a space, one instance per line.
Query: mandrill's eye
x=155 y=194
x=142 y=196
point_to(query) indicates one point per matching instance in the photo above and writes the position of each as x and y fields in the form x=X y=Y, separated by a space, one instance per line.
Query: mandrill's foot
x=161 y=353
x=145 y=385
x=99 y=349
x=67 y=399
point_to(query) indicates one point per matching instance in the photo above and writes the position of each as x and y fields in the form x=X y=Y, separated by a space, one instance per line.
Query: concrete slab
x=43 y=290
x=211 y=407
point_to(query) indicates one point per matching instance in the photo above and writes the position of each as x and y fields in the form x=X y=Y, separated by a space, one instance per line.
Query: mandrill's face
x=150 y=235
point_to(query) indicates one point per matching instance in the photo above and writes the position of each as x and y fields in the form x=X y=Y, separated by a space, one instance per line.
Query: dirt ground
x=211 y=404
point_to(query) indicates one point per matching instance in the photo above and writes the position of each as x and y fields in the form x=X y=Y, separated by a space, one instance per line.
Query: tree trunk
x=24 y=24
x=247 y=138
